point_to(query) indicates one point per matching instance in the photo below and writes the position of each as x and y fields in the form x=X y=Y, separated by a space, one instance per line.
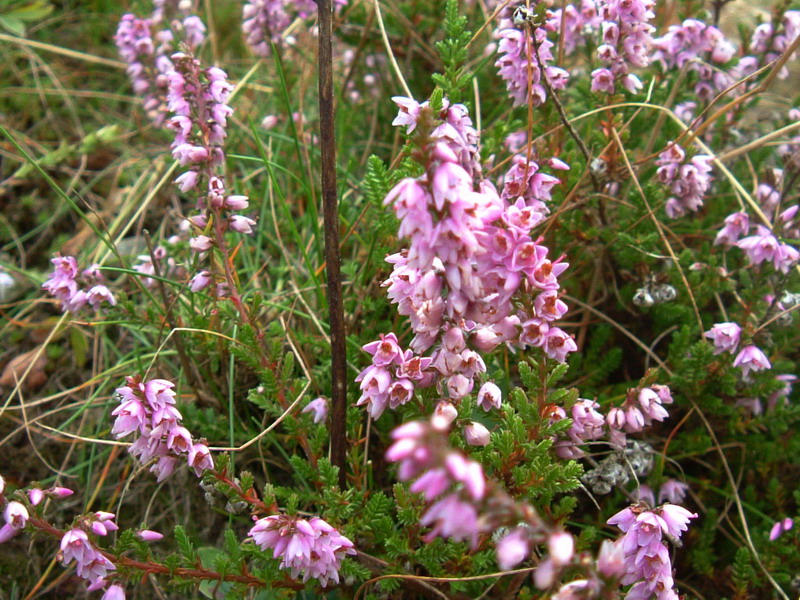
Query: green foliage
x=453 y=52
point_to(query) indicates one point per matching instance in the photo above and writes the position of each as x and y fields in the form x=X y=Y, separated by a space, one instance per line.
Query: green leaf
x=12 y=24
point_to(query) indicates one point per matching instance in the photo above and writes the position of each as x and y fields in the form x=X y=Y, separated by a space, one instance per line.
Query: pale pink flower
x=513 y=548
x=319 y=408
x=751 y=358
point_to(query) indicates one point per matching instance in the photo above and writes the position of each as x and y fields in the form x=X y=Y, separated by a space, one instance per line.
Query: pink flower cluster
x=198 y=101
x=312 y=548
x=770 y=41
x=470 y=263
x=148 y=409
x=647 y=562
x=529 y=188
x=145 y=266
x=518 y=64
x=454 y=129
x=149 y=65
x=90 y=563
x=726 y=338
x=780 y=396
x=765 y=247
x=687 y=180
x=639 y=410
x=703 y=48
x=422 y=456
x=463 y=504
x=780 y=527
x=579 y=19
x=627 y=40
x=64 y=284
x=264 y=22
x=392 y=377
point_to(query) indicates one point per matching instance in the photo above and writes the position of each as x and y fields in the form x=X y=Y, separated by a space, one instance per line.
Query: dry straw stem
x=395 y=67
x=420 y=578
x=658 y=225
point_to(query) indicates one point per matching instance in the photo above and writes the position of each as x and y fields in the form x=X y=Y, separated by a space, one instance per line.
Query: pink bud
x=236 y=202
x=561 y=547
x=269 y=121
x=60 y=492
x=202 y=243
x=476 y=434
x=35 y=495
x=115 y=592
x=2 y=484
x=147 y=535
x=444 y=414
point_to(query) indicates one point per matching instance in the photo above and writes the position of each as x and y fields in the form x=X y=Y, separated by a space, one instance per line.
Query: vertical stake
x=332 y=258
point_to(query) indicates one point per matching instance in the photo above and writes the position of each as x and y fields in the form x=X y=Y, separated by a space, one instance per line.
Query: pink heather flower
x=736 y=225
x=779 y=528
x=200 y=281
x=60 y=492
x=558 y=344
x=603 y=81
x=35 y=495
x=7 y=532
x=765 y=247
x=241 y=224
x=90 y=563
x=147 y=535
x=200 y=458
x=513 y=548
x=698 y=46
x=443 y=415
x=518 y=57
x=561 y=546
x=673 y=491
x=311 y=548
x=432 y=484
x=16 y=515
x=453 y=518
x=646 y=557
x=409 y=113
x=676 y=519
x=750 y=358
x=489 y=396
x=476 y=434
x=385 y=351
x=114 y=592
x=725 y=337
x=688 y=180
x=319 y=408
x=611 y=559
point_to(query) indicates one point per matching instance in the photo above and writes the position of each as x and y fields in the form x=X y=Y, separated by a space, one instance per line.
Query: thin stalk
x=332 y=251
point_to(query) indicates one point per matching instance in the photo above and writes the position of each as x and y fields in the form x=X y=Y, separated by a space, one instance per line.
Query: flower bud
x=476 y=434
x=561 y=546
x=35 y=495
x=146 y=535
x=60 y=492
x=444 y=414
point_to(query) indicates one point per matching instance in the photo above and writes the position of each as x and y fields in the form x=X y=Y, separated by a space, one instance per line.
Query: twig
x=330 y=212
x=561 y=112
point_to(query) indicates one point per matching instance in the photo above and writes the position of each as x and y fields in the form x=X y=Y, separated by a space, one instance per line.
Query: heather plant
x=399 y=300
